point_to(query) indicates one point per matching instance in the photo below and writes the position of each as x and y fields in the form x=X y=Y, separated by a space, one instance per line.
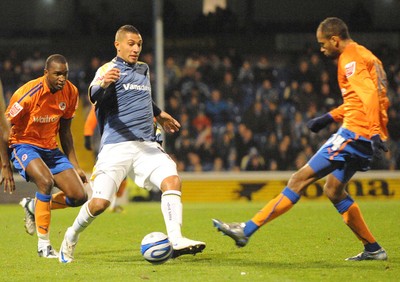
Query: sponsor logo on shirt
x=15 y=109
x=129 y=86
x=350 y=69
x=45 y=119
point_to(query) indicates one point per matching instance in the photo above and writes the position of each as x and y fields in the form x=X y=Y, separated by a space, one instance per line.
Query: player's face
x=56 y=76
x=328 y=46
x=129 y=47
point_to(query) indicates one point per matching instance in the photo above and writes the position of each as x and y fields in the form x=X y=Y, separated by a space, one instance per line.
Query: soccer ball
x=156 y=248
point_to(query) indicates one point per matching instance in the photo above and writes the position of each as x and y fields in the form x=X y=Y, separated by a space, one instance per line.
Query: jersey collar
x=118 y=59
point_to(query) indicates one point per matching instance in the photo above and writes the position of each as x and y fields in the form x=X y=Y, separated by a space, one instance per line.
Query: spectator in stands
x=263 y=70
x=217 y=109
x=253 y=161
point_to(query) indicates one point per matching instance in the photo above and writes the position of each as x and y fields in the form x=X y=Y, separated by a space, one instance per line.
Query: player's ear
x=116 y=44
x=335 y=40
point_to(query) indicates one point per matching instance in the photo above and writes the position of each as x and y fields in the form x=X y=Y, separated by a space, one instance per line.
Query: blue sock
x=250 y=228
x=372 y=247
x=344 y=204
x=43 y=197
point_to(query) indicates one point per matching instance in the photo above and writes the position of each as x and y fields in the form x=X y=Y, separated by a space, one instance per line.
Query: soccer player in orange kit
x=363 y=83
x=38 y=111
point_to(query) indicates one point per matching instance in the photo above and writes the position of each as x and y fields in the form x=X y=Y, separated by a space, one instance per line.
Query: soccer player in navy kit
x=121 y=93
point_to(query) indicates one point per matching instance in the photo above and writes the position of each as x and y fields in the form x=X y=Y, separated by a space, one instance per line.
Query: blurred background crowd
x=241 y=94
x=238 y=111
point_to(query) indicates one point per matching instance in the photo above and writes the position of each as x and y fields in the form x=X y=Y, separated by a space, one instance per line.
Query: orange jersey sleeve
x=35 y=112
x=363 y=84
x=90 y=123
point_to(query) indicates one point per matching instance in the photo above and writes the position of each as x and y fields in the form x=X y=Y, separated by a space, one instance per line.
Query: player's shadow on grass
x=305 y=264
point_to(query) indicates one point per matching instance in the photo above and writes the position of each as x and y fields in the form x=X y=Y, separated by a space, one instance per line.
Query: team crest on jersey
x=15 y=109
x=62 y=106
x=350 y=68
x=24 y=157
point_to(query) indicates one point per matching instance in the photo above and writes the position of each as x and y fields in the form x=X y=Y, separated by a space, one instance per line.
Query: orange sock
x=42 y=214
x=58 y=201
x=354 y=219
x=276 y=207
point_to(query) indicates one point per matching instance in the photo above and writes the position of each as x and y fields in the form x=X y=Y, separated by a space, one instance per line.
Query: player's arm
x=105 y=76
x=337 y=113
x=4 y=124
x=7 y=177
x=168 y=123
x=67 y=145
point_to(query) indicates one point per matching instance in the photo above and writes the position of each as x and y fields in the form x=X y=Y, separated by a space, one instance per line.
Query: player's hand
x=82 y=175
x=110 y=77
x=378 y=145
x=168 y=123
x=7 y=179
x=316 y=124
x=88 y=142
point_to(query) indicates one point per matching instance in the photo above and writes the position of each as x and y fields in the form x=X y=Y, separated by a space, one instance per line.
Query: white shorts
x=145 y=163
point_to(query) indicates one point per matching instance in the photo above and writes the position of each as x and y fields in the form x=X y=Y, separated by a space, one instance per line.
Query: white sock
x=43 y=242
x=113 y=202
x=171 y=207
x=31 y=206
x=82 y=221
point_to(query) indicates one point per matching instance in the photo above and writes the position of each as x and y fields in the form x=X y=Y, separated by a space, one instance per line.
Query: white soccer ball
x=156 y=248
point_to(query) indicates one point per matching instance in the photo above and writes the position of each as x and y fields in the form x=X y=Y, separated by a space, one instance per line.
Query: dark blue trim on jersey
x=32 y=91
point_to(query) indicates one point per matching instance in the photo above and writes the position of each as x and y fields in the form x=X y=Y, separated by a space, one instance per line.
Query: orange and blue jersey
x=363 y=84
x=35 y=112
x=363 y=114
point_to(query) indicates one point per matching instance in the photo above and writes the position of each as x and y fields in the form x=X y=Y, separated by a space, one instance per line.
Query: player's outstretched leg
x=235 y=230
x=28 y=205
x=241 y=232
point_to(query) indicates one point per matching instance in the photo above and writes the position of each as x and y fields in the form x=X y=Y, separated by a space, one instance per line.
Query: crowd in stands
x=238 y=112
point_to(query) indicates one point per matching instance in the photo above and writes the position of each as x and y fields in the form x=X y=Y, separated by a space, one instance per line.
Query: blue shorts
x=23 y=154
x=343 y=155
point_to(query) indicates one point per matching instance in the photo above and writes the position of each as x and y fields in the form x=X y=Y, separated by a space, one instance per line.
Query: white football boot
x=185 y=246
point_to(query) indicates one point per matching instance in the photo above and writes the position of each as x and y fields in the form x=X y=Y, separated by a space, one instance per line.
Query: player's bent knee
x=172 y=182
x=76 y=202
x=45 y=185
x=98 y=206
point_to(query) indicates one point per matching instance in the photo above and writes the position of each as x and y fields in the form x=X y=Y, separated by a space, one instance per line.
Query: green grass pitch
x=309 y=243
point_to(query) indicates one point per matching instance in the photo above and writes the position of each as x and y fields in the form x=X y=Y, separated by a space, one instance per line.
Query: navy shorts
x=343 y=154
x=23 y=154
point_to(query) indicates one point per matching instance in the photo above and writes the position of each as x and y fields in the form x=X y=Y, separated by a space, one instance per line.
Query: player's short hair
x=57 y=58
x=333 y=26
x=125 y=29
